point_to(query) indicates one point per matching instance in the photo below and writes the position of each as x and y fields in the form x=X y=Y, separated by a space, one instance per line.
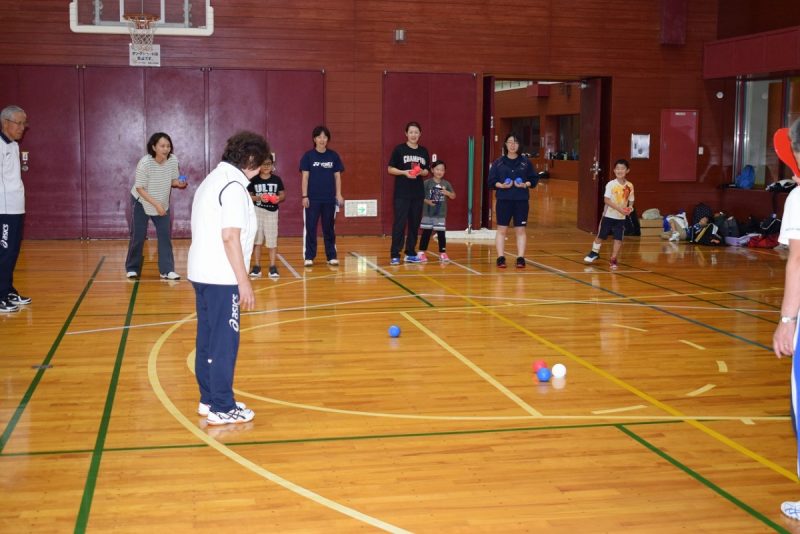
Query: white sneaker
x=205 y=409
x=791 y=509
x=172 y=275
x=132 y=274
x=237 y=415
x=333 y=261
x=675 y=236
x=308 y=263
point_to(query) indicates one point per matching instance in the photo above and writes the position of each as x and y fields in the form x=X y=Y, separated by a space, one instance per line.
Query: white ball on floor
x=559 y=370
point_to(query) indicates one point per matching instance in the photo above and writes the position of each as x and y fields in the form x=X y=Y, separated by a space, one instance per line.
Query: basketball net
x=142 y=28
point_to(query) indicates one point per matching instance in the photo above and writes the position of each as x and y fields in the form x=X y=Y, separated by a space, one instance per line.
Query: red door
x=593 y=159
x=175 y=104
x=53 y=196
x=444 y=105
x=295 y=105
x=115 y=139
x=284 y=106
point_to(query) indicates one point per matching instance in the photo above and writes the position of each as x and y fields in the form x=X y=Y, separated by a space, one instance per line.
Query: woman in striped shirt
x=156 y=175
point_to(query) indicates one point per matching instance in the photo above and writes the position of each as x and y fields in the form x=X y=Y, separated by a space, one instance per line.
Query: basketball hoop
x=142 y=26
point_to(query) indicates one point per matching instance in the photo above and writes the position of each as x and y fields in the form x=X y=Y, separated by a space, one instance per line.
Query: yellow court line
x=629 y=327
x=621 y=383
x=694 y=345
x=480 y=372
x=722 y=366
x=155 y=383
x=549 y=317
x=700 y=391
x=602 y=415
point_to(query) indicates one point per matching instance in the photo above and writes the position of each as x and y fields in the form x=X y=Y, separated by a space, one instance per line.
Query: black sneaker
x=7 y=307
x=255 y=272
x=273 y=272
x=520 y=262
x=501 y=262
x=17 y=299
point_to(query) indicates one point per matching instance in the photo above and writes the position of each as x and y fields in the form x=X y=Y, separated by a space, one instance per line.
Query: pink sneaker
x=422 y=257
x=444 y=257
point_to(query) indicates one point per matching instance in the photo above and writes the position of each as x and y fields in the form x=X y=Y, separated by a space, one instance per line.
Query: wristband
x=786 y=319
x=305 y=196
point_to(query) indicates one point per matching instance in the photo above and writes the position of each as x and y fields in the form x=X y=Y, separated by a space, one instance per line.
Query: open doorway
x=560 y=125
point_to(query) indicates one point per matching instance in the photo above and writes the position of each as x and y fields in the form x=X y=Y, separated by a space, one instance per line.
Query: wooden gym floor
x=673 y=417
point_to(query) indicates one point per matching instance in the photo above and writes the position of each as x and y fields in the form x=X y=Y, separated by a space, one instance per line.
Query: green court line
x=654 y=306
x=401 y=286
x=23 y=403
x=353 y=438
x=698 y=298
x=97 y=454
x=700 y=478
x=732 y=293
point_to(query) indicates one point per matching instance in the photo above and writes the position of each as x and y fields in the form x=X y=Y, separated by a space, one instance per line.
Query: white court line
x=289 y=266
x=549 y=317
x=477 y=370
x=722 y=366
x=617 y=410
x=374 y=265
x=264 y=312
x=158 y=390
x=544 y=266
x=470 y=269
x=519 y=301
x=694 y=345
x=629 y=327
x=700 y=391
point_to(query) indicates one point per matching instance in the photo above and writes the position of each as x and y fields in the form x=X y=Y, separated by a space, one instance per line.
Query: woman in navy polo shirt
x=321 y=170
x=511 y=176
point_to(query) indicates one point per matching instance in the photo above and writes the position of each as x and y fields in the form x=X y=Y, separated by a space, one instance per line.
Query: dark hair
x=516 y=138
x=246 y=150
x=623 y=161
x=155 y=138
x=413 y=123
x=320 y=130
x=794 y=135
x=437 y=163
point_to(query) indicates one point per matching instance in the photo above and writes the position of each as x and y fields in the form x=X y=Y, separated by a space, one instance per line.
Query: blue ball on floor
x=543 y=374
x=394 y=331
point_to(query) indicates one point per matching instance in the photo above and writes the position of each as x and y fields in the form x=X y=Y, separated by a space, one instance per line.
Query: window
x=528 y=130
x=569 y=137
x=763 y=107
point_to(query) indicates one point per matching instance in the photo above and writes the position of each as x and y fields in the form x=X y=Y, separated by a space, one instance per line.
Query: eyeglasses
x=24 y=124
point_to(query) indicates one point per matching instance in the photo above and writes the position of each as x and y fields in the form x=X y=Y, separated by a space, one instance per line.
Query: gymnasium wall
x=352 y=41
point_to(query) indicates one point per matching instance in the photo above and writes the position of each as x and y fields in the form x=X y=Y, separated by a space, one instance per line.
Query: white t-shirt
x=221 y=201
x=12 y=190
x=621 y=194
x=790 y=224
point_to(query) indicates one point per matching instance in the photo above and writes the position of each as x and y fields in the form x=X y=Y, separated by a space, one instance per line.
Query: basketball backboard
x=175 y=17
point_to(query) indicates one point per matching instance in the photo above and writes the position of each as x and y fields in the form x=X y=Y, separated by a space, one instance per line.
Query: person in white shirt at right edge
x=784 y=341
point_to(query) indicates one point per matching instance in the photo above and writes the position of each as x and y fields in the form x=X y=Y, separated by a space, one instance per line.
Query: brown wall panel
x=115 y=139
x=175 y=104
x=352 y=40
x=53 y=199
